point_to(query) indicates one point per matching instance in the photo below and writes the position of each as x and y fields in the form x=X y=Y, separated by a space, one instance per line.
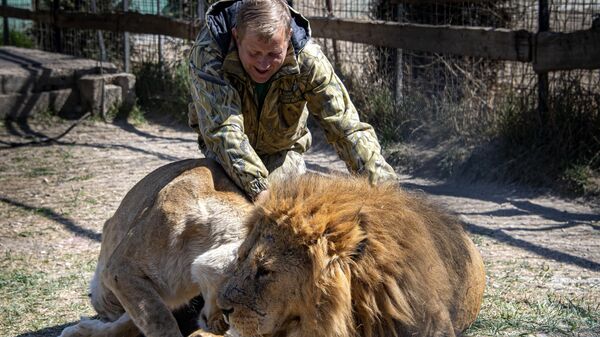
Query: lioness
x=337 y=257
x=168 y=241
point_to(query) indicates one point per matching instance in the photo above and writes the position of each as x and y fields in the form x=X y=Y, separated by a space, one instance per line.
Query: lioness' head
x=293 y=269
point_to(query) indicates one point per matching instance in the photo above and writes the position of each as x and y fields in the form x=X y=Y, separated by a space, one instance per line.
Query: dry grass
x=55 y=198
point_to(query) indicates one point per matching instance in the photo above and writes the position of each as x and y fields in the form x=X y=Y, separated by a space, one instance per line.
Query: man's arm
x=329 y=102
x=220 y=120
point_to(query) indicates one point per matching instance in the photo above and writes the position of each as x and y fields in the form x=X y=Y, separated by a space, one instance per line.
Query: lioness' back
x=208 y=177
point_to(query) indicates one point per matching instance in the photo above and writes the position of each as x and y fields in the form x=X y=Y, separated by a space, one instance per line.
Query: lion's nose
x=226 y=313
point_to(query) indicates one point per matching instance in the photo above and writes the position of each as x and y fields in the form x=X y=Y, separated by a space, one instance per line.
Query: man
x=255 y=73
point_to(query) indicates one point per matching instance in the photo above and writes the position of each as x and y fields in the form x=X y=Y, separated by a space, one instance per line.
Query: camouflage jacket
x=225 y=106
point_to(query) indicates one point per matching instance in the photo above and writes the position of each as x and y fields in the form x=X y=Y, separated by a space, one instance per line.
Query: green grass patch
x=136 y=116
x=84 y=177
x=506 y=313
x=37 y=294
x=163 y=88
x=515 y=304
x=40 y=172
x=17 y=39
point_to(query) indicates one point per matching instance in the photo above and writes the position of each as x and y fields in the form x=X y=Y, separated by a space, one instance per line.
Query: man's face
x=261 y=58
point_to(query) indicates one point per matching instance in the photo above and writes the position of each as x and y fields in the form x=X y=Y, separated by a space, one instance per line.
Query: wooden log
x=566 y=51
x=114 y=22
x=496 y=44
x=437 y=2
x=555 y=51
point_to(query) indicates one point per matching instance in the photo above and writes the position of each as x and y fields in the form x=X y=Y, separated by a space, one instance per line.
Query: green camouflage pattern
x=225 y=113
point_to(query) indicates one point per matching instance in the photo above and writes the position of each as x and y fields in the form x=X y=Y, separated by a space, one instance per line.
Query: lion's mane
x=384 y=262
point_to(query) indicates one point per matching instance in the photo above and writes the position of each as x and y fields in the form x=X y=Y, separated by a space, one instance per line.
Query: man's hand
x=261 y=197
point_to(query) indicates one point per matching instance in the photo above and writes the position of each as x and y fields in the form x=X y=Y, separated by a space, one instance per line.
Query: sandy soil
x=77 y=182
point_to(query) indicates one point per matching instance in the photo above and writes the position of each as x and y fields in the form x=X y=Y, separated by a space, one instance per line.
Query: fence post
x=543 y=84
x=336 y=60
x=398 y=96
x=5 y=32
x=126 y=60
x=160 y=58
x=56 y=29
x=100 y=37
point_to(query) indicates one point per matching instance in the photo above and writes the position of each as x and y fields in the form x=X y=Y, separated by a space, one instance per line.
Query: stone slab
x=98 y=93
x=64 y=102
x=29 y=70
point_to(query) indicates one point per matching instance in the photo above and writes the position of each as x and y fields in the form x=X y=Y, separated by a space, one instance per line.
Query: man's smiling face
x=260 y=57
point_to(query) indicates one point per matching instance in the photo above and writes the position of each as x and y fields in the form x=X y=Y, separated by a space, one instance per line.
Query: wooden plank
x=438 y=2
x=555 y=51
x=114 y=22
x=566 y=51
x=496 y=44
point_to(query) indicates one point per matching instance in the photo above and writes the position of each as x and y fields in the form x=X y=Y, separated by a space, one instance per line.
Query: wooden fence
x=548 y=51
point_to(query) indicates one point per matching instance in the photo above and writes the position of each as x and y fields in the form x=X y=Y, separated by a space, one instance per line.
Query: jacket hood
x=221 y=17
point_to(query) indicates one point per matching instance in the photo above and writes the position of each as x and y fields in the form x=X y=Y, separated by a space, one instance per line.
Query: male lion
x=168 y=241
x=337 y=257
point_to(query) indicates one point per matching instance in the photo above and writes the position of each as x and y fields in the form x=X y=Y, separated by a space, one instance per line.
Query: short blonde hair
x=263 y=17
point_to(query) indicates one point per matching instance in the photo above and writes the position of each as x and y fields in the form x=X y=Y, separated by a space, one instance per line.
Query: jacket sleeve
x=220 y=119
x=329 y=102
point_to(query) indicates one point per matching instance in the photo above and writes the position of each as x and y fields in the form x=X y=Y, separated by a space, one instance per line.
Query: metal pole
x=126 y=60
x=100 y=36
x=399 y=61
x=160 y=61
x=5 y=32
x=336 y=59
x=543 y=84
x=57 y=33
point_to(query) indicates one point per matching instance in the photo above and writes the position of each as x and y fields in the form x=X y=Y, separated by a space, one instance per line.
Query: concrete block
x=127 y=83
x=33 y=80
x=92 y=97
x=29 y=70
x=64 y=102
x=98 y=95
x=13 y=80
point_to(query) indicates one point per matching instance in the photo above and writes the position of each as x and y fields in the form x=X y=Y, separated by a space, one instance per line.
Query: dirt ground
x=55 y=198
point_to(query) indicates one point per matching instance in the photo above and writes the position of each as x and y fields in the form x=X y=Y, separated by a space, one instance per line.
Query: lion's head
x=337 y=257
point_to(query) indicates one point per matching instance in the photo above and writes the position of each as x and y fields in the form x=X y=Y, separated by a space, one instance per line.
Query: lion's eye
x=262 y=272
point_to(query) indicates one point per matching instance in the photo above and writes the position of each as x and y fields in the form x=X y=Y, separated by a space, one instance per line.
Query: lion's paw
x=215 y=324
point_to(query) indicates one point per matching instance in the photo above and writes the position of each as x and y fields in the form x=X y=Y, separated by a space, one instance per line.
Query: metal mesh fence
x=463 y=92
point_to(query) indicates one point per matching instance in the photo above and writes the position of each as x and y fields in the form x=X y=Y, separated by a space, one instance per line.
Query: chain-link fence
x=423 y=89
x=464 y=93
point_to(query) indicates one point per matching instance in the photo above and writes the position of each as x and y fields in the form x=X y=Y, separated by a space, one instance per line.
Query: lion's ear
x=360 y=249
x=361 y=246
x=346 y=236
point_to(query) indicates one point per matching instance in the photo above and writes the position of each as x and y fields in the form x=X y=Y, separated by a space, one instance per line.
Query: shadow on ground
x=69 y=224
x=521 y=208
x=51 y=331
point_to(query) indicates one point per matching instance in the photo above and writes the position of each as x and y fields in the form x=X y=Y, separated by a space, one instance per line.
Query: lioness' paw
x=85 y=328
